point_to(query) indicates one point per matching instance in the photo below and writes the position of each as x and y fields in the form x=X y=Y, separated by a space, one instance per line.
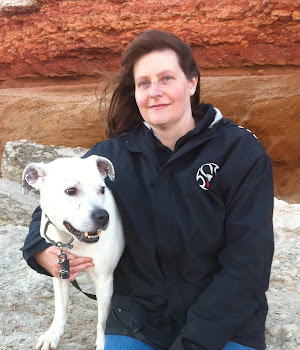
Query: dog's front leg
x=51 y=338
x=104 y=290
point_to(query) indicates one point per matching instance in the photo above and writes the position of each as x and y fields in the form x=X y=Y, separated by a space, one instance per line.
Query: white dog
x=76 y=203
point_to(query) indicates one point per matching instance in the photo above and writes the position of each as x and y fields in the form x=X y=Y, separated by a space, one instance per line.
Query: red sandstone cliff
x=248 y=51
x=63 y=38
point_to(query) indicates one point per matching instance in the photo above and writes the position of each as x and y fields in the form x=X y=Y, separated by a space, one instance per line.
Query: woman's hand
x=48 y=260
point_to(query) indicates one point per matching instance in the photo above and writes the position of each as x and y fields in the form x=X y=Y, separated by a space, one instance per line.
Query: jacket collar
x=140 y=139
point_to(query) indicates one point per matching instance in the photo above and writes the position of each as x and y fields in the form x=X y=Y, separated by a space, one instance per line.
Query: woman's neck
x=169 y=136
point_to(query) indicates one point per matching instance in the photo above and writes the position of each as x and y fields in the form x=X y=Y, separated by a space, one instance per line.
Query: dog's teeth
x=99 y=232
x=86 y=234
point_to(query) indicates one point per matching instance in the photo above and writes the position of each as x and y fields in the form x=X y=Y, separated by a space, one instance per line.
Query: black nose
x=101 y=216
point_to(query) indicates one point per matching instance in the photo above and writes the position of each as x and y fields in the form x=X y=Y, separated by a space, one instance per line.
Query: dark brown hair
x=123 y=114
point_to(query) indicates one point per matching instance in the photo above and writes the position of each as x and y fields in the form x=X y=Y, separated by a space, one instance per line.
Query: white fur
x=87 y=176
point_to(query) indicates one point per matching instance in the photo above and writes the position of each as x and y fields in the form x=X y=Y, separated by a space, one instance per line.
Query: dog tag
x=64 y=272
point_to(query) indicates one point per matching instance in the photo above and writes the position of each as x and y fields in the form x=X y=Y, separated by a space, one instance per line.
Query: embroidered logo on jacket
x=205 y=174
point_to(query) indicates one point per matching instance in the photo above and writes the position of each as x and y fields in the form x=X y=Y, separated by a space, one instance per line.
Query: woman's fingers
x=48 y=259
x=77 y=265
x=78 y=261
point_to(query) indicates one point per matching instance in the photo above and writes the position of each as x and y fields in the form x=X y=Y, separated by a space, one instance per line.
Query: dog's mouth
x=86 y=237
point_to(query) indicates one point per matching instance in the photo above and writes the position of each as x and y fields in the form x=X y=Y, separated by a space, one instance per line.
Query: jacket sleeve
x=237 y=290
x=35 y=243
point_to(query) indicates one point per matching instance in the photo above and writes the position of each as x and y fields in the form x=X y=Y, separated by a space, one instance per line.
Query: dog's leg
x=104 y=290
x=51 y=338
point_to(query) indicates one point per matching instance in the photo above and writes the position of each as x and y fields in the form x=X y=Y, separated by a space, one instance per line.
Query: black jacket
x=198 y=227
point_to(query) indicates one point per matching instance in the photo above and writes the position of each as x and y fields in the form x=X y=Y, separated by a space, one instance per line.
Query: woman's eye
x=102 y=190
x=71 y=191
x=167 y=78
x=142 y=84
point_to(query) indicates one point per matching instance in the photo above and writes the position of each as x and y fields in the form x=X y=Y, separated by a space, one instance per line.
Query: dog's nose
x=101 y=216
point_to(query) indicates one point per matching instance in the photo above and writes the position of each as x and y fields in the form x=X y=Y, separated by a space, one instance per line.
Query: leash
x=57 y=244
x=63 y=261
x=76 y=285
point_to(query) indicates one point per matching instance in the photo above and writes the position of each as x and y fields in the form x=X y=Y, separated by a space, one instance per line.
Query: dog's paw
x=48 y=341
x=100 y=342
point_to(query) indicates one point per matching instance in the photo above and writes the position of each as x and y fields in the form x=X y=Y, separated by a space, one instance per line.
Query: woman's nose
x=155 y=90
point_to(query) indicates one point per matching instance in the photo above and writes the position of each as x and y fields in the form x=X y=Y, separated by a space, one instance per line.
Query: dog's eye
x=102 y=190
x=71 y=191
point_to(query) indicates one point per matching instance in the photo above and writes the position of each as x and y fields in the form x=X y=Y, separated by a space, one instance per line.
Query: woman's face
x=162 y=91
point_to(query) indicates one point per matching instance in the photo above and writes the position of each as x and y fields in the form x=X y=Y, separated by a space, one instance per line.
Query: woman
x=195 y=193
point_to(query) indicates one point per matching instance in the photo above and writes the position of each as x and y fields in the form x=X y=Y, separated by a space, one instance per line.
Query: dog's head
x=73 y=194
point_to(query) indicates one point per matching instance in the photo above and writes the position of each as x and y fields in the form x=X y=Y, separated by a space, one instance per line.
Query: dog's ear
x=33 y=176
x=106 y=167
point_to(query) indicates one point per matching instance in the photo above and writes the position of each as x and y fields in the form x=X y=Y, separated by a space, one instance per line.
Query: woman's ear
x=193 y=85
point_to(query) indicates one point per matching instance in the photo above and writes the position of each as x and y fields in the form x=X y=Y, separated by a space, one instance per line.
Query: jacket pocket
x=131 y=315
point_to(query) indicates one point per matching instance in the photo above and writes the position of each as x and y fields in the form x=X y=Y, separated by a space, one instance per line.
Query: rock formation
x=65 y=38
x=248 y=52
x=62 y=51
x=17 y=155
x=67 y=114
x=27 y=297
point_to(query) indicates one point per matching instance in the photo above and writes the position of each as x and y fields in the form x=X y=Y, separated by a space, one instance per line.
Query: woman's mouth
x=159 y=106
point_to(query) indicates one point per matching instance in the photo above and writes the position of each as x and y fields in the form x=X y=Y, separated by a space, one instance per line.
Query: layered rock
x=66 y=113
x=56 y=115
x=65 y=38
x=269 y=106
x=248 y=52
